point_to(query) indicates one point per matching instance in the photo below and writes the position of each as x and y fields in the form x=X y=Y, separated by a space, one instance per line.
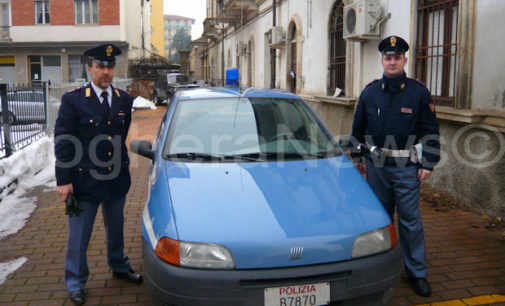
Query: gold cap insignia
x=109 y=50
x=393 y=41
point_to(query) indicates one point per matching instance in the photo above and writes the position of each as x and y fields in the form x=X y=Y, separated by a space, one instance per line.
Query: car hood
x=266 y=212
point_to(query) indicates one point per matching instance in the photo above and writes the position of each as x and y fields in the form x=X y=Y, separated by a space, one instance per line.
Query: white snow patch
x=140 y=102
x=32 y=166
x=9 y=267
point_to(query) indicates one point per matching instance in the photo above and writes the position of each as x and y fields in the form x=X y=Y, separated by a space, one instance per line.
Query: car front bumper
x=367 y=280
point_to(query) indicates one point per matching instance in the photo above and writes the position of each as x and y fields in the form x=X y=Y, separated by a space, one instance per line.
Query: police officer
x=396 y=116
x=92 y=165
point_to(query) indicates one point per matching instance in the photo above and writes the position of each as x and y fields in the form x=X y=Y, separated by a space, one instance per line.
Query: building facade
x=172 y=24
x=157 y=27
x=308 y=47
x=44 y=40
x=197 y=59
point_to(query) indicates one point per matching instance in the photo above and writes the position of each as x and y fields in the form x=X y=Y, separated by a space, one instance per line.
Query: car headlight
x=374 y=242
x=194 y=255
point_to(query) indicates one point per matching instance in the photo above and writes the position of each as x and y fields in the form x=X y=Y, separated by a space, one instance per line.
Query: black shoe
x=421 y=286
x=130 y=276
x=77 y=297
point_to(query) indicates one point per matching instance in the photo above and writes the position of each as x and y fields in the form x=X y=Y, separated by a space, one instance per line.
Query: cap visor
x=104 y=63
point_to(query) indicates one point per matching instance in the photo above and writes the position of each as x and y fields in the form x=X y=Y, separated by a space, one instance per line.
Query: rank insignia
x=406 y=110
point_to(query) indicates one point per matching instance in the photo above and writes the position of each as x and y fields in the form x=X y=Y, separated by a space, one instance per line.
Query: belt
x=396 y=153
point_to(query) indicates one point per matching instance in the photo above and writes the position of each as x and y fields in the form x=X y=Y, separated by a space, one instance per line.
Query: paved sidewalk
x=467 y=262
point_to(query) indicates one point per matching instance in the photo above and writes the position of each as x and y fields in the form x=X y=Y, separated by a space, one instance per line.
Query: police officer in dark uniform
x=396 y=120
x=92 y=168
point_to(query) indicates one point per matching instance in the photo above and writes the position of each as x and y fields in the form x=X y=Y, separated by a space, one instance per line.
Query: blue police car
x=252 y=202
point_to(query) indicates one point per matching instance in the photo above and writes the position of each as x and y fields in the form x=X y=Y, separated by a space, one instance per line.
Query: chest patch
x=406 y=110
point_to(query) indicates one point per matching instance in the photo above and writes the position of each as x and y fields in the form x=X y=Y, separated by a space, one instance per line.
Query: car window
x=239 y=126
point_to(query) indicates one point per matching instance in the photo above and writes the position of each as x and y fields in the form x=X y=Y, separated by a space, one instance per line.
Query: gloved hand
x=72 y=207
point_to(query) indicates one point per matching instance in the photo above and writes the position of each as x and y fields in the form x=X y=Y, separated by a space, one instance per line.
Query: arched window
x=238 y=63
x=229 y=58
x=337 y=48
x=250 y=62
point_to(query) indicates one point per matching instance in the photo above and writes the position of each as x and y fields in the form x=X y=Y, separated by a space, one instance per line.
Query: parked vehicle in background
x=167 y=85
x=25 y=106
x=252 y=202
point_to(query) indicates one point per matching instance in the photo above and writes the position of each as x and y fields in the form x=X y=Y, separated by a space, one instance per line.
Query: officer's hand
x=63 y=190
x=423 y=174
x=361 y=167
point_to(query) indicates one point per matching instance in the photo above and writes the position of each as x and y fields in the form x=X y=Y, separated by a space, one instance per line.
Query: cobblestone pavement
x=467 y=262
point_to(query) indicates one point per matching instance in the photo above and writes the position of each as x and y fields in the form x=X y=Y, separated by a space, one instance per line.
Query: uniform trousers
x=79 y=233
x=400 y=187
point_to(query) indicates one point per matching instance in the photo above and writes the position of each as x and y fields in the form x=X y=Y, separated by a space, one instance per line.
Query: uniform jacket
x=402 y=108
x=95 y=156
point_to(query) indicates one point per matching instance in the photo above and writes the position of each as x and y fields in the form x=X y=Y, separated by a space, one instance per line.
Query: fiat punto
x=251 y=201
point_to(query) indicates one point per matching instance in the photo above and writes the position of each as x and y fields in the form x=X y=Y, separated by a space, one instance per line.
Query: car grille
x=286 y=281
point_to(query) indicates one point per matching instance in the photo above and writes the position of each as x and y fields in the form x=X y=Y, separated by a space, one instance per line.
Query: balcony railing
x=210 y=28
x=5 y=33
x=235 y=11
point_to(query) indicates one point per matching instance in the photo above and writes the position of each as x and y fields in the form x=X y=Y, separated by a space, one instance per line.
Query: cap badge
x=393 y=41
x=109 y=50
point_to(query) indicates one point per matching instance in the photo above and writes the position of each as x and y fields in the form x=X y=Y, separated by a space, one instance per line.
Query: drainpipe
x=142 y=24
x=222 y=58
x=272 y=50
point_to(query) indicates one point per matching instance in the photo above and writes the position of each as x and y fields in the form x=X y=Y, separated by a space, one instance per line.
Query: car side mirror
x=346 y=143
x=142 y=147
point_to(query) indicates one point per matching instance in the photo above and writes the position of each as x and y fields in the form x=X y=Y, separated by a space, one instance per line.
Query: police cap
x=393 y=45
x=104 y=55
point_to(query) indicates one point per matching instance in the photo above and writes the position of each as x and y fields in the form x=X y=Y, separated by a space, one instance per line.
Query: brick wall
x=62 y=12
x=22 y=12
x=109 y=12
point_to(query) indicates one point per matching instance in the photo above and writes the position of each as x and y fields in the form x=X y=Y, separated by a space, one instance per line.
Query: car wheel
x=11 y=116
x=156 y=99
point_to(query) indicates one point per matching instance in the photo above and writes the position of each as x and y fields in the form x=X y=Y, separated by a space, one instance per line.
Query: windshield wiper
x=254 y=157
x=208 y=156
x=194 y=155
x=300 y=155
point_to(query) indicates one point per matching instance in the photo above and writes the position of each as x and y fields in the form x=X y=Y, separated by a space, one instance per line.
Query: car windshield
x=252 y=129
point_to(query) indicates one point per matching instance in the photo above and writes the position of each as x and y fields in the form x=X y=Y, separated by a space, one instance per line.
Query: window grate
x=437 y=48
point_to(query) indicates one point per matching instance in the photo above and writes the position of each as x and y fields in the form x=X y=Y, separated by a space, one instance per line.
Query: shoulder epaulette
x=373 y=82
x=418 y=81
x=74 y=90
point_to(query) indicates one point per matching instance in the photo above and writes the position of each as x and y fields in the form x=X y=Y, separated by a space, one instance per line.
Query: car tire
x=11 y=116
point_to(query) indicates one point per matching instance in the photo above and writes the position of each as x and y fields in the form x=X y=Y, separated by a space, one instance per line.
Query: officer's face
x=393 y=64
x=101 y=75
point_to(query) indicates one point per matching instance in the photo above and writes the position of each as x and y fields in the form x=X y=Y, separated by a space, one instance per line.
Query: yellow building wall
x=157 y=26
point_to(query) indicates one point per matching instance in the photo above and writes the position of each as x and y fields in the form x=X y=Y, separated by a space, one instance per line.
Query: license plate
x=298 y=295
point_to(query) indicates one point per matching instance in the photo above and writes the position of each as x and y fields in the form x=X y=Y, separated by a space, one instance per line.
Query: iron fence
x=32 y=111
x=23 y=116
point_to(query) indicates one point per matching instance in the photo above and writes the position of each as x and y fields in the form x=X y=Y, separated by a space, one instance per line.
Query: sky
x=195 y=9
